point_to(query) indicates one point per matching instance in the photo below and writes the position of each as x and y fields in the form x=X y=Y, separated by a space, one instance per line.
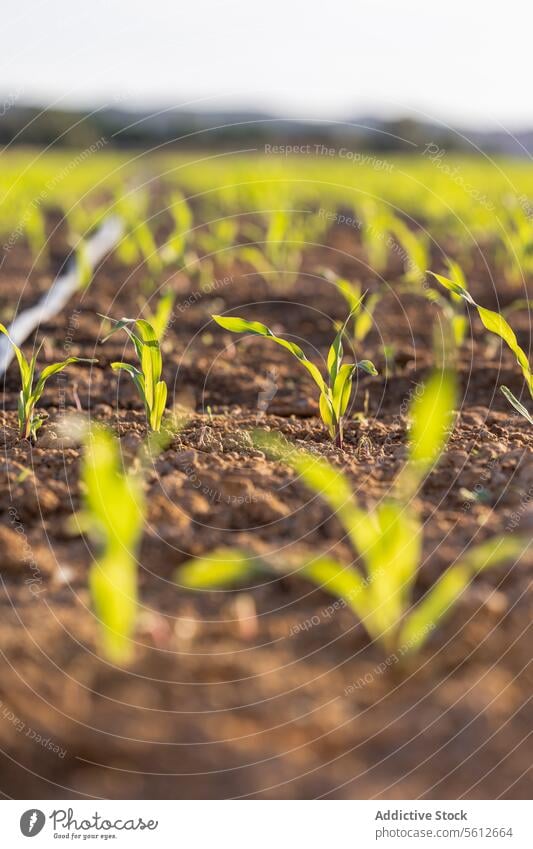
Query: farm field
x=250 y=674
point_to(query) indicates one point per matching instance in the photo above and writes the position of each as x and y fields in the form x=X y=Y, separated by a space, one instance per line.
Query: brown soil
x=273 y=691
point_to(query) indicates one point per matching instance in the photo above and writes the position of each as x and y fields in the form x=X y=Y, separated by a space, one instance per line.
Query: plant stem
x=338 y=435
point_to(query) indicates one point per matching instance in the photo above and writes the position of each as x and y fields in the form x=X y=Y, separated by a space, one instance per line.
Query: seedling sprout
x=335 y=393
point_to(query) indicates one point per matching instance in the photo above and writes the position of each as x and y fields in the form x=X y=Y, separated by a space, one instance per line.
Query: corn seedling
x=335 y=393
x=138 y=241
x=218 y=240
x=431 y=416
x=32 y=388
x=497 y=324
x=113 y=513
x=35 y=230
x=284 y=243
x=175 y=247
x=288 y=233
x=518 y=245
x=374 y=234
x=147 y=379
x=387 y=540
x=415 y=249
x=148 y=247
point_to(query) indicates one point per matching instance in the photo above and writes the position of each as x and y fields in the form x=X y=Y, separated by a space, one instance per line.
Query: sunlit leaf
x=432 y=415
x=516 y=404
x=151 y=388
x=114 y=513
x=222 y=568
x=442 y=596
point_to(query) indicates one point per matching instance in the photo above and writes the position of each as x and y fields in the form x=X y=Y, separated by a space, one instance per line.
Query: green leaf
x=113 y=586
x=457 y=276
x=160 y=318
x=148 y=247
x=495 y=323
x=36 y=424
x=151 y=360
x=326 y=481
x=123 y=324
x=326 y=410
x=28 y=386
x=114 y=514
x=351 y=293
x=516 y=404
x=240 y=325
x=440 y=599
x=432 y=415
x=49 y=371
x=364 y=320
x=335 y=356
x=342 y=389
x=24 y=366
x=222 y=568
x=453 y=287
x=337 y=580
x=132 y=371
x=252 y=255
x=160 y=400
x=85 y=269
x=137 y=378
x=392 y=563
x=367 y=366
x=459 y=328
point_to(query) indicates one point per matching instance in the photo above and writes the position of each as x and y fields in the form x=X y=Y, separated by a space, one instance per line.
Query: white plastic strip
x=63 y=287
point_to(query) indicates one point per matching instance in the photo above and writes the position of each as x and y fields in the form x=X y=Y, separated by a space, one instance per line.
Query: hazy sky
x=465 y=62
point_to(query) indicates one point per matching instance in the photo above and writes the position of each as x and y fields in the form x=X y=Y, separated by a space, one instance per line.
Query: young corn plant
x=175 y=248
x=375 y=219
x=335 y=392
x=219 y=239
x=517 y=245
x=147 y=379
x=32 y=388
x=280 y=256
x=497 y=324
x=138 y=242
x=113 y=514
x=35 y=232
x=387 y=540
x=148 y=248
x=415 y=248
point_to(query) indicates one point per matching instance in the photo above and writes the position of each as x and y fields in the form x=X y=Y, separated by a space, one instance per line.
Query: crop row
x=250 y=222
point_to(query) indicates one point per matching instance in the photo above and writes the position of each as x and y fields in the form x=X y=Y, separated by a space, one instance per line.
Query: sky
x=464 y=63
